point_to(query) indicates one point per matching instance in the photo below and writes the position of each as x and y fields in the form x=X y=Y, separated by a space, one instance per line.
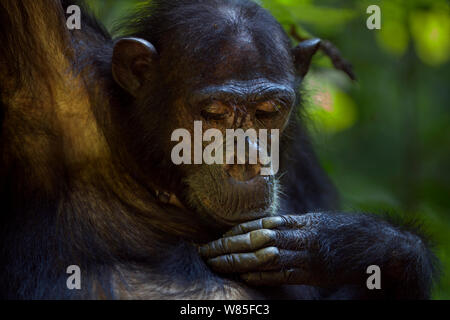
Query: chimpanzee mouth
x=229 y=201
x=259 y=198
x=245 y=217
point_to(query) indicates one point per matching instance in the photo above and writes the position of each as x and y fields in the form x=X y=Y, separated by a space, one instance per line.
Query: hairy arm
x=47 y=111
x=34 y=43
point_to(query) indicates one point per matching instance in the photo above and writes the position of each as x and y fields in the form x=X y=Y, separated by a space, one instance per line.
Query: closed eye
x=215 y=111
x=268 y=109
x=213 y=115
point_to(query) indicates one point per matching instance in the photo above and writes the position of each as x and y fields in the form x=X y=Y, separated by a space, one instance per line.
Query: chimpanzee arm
x=350 y=243
x=35 y=44
x=329 y=251
x=46 y=103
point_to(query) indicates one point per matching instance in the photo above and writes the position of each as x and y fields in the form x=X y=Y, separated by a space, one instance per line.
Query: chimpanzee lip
x=246 y=217
x=255 y=180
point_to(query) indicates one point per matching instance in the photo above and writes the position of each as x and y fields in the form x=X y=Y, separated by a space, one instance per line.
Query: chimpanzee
x=87 y=178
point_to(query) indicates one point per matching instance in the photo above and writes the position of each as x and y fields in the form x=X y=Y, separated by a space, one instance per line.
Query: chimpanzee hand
x=325 y=250
x=270 y=251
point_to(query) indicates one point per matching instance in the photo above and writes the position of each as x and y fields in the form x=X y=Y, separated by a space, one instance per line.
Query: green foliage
x=384 y=140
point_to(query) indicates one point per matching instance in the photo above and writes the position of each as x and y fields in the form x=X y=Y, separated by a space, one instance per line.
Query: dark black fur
x=37 y=244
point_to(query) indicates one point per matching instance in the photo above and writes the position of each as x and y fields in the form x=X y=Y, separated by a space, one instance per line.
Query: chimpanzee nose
x=245 y=165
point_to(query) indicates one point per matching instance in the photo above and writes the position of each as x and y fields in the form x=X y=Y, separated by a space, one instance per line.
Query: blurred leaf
x=430 y=30
x=393 y=37
x=330 y=108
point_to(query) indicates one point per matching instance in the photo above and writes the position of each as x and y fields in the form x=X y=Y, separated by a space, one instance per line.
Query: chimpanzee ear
x=132 y=62
x=303 y=54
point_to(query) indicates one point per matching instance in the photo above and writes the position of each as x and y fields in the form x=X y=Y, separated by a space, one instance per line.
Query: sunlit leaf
x=430 y=30
x=330 y=108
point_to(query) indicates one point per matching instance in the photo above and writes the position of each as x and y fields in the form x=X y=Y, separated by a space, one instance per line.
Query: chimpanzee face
x=228 y=190
x=229 y=78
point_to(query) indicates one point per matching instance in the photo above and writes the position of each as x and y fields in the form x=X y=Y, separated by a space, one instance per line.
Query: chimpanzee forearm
x=350 y=243
x=26 y=52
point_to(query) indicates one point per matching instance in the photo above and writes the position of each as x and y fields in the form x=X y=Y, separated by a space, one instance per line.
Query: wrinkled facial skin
x=233 y=193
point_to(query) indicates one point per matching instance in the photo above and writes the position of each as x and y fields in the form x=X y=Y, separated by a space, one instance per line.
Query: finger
x=296 y=239
x=264 y=223
x=261 y=260
x=266 y=259
x=271 y=223
x=247 y=242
